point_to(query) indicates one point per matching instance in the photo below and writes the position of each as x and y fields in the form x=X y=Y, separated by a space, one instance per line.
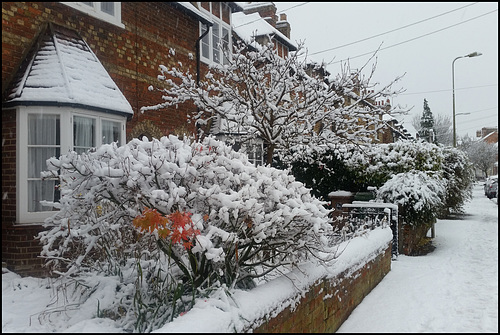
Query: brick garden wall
x=330 y=302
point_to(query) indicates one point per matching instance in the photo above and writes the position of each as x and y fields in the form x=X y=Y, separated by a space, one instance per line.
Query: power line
x=413 y=39
x=284 y=10
x=393 y=30
x=447 y=90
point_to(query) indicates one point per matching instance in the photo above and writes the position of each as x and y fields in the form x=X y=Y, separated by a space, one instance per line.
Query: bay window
x=45 y=132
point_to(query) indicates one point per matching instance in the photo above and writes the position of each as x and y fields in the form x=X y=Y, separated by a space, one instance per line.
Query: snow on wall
x=244 y=308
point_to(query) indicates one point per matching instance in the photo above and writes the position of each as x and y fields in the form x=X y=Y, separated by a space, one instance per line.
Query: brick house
x=75 y=75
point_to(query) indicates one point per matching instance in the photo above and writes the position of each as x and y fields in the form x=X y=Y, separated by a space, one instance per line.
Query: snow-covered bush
x=174 y=220
x=323 y=170
x=379 y=162
x=326 y=169
x=417 y=193
x=458 y=172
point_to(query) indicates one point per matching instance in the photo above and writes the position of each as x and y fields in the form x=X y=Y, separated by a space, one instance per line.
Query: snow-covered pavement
x=452 y=289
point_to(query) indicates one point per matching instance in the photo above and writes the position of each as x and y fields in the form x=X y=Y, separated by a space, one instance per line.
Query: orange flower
x=182 y=229
x=150 y=220
x=178 y=226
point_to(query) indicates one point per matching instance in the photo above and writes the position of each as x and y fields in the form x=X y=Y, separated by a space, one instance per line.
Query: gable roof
x=62 y=70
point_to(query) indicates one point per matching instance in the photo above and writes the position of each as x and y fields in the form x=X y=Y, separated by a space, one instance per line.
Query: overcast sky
x=424 y=51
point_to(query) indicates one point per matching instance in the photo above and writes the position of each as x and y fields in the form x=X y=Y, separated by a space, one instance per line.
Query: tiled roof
x=62 y=70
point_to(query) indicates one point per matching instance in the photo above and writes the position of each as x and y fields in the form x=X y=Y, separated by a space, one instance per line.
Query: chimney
x=266 y=10
x=283 y=26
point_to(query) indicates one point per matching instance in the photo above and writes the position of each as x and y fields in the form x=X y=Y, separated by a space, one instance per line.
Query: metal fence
x=364 y=215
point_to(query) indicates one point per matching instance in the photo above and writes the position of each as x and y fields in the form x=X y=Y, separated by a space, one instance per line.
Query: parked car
x=492 y=190
x=488 y=182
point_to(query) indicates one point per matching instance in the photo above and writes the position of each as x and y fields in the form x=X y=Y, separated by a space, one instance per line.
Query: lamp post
x=474 y=54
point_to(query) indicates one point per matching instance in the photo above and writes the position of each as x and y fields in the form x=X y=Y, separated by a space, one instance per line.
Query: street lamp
x=474 y=54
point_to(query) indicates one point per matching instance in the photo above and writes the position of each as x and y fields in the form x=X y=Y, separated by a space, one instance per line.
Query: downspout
x=198 y=60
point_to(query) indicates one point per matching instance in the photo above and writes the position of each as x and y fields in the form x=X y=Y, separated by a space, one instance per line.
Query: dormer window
x=106 y=11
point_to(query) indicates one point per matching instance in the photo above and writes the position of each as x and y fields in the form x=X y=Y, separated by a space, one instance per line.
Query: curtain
x=83 y=133
x=44 y=140
x=110 y=132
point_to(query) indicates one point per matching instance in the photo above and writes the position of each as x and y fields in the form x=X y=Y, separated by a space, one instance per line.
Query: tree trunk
x=269 y=154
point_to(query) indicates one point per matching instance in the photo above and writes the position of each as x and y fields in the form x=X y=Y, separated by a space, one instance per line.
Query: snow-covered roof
x=484 y=138
x=252 y=5
x=62 y=70
x=248 y=26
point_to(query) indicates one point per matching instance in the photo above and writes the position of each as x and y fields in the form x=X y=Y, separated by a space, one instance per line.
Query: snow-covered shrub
x=458 y=172
x=323 y=171
x=379 y=162
x=121 y=208
x=417 y=193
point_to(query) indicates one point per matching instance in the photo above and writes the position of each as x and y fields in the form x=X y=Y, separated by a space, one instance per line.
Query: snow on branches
x=283 y=101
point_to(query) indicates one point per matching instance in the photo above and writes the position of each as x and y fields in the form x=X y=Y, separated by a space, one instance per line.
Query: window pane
x=41 y=189
x=226 y=12
x=111 y=131
x=91 y=4
x=37 y=158
x=205 y=47
x=216 y=8
x=215 y=43
x=225 y=43
x=206 y=5
x=44 y=129
x=108 y=8
x=83 y=133
x=43 y=143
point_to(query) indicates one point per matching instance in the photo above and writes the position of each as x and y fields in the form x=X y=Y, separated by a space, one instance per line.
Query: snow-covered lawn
x=452 y=289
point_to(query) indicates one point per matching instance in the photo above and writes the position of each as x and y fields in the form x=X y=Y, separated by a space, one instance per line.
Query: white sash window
x=106 y=11
x=219 y=37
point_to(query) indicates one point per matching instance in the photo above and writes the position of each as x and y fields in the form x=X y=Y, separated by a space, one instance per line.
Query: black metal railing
x=364 y=215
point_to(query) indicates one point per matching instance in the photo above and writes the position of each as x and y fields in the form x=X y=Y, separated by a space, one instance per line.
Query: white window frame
x=66 y=114
x=96 y=11
x=222 y=25
x=255 y=152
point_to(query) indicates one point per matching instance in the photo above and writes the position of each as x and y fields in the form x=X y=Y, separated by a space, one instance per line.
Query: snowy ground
x=452 y=289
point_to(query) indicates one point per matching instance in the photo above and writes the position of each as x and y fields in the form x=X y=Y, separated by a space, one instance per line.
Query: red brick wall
x=329 y=303
x=21 y=251
x=131 y=55
x=8 y=166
